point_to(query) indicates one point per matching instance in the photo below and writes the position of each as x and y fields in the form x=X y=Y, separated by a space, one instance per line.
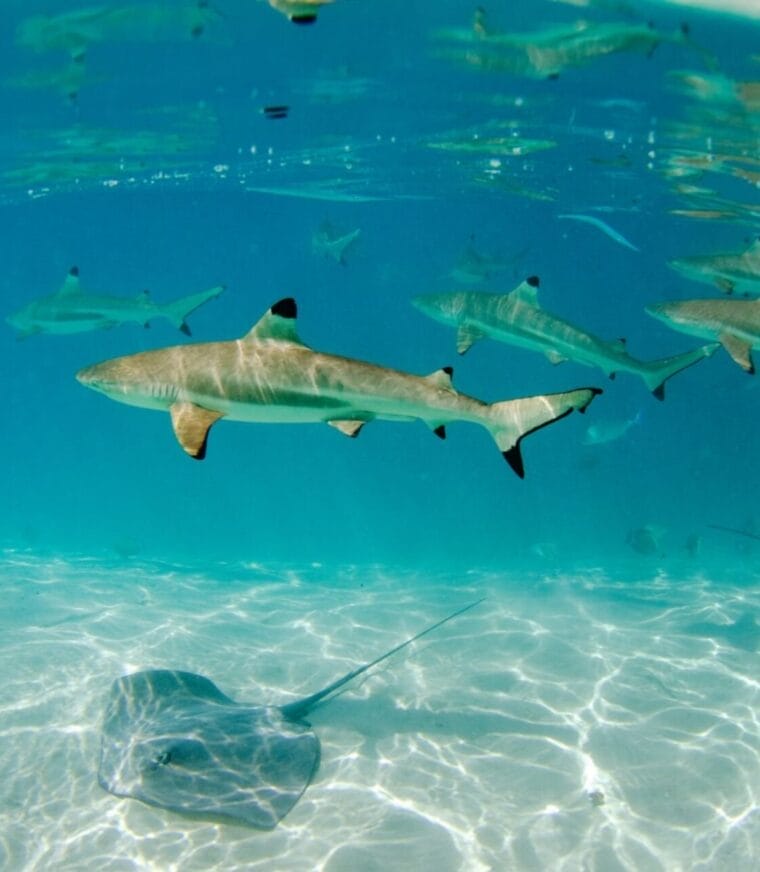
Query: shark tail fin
x=178 y=310
x=657 y=372
x=510 y=421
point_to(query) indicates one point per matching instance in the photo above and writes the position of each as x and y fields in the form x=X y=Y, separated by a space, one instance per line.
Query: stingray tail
x=298 y=710
x=178 y=310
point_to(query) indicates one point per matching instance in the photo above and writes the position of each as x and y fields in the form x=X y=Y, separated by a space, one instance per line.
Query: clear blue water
x=291 y=550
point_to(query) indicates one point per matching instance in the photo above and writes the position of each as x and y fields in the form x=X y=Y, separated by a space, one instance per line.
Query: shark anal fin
x=350 y=428
x=466 y=337
x=740 y=351
x=191 y=424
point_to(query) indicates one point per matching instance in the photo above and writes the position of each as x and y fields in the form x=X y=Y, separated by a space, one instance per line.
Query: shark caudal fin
x=657 y=372
x=511 y=420
x=178 y=310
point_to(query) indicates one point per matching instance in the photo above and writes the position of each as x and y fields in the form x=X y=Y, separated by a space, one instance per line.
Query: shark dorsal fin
x=70 y=285
x=279 y=322
x=441 y=378
x=527 y=292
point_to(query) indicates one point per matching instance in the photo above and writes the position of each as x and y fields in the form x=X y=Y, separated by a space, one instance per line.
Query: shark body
x=331 y=243
x=733 y=323
x=517 y=318
x=732 y=272
x=270 y=376
x=72 y=310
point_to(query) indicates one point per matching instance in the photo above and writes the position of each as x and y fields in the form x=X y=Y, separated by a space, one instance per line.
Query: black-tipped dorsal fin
x=441 y=377
x=279 y=322
x=191 y=424
x=527 y=291
x=71 y=283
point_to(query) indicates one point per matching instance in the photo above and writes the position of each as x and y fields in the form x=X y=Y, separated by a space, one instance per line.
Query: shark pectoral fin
x=191 y=424
x=466 y=337
x=555 y=357
x=740 y=351
x=279 y=322
x=70 y=285
x=726 y=285
x=441 y=378
x=350 y=428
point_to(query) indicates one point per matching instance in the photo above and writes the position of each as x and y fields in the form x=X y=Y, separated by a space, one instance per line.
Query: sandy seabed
x=579 y=721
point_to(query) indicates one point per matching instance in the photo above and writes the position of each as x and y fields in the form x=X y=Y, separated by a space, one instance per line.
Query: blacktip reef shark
x=173 y=740
x=72 y=310
x=329 y=242
x=517 y=318
x=299 y=11
x=731 y=271
x=76 y=30
x=735 y=324
x=270 y=376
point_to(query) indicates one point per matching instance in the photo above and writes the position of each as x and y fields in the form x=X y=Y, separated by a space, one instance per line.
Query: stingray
x=173 y=740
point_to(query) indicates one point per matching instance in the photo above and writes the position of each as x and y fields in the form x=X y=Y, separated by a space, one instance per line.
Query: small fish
x=280 y=111
x=646 y=540
x=604 y=227
x=609 y=431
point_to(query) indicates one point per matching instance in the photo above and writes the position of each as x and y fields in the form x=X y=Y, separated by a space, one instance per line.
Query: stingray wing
x=174 y=740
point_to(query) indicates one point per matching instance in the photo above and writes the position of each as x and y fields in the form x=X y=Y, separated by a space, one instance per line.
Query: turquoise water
x=599 y=709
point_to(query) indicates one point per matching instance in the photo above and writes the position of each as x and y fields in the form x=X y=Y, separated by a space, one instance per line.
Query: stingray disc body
x=174 y=740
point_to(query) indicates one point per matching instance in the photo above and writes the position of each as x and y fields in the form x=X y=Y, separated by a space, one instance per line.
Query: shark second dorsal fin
x=279 y=322
x=441 y=378
x=740 y=351
x=70 y=285
x=527 y=291
x=191 y=424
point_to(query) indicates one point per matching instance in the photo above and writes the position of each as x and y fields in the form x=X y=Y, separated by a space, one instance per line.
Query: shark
x=331 y=243
x=735 y=324
x=299 y=11
x=517 y=318
x=76 y=30
x=72 y=310
x=731 y=271
x=270 y=376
